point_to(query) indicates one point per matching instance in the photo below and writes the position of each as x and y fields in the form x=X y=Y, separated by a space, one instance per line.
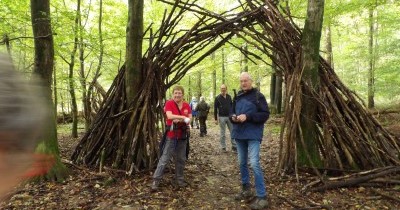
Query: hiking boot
x=154 y=185
x=180 y=184
x=244 y=194
x=224 y=150
x=259 y=203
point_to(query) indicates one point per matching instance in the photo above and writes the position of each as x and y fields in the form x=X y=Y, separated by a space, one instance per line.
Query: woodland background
x=349 y=23
x=360 y=40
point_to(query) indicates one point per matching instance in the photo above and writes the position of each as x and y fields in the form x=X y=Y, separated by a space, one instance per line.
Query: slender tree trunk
x=71 y=78
x=200 y=92
x=43 y=66
x=223 y=65
x=90 y=98
x=214 y=75
x=329 y=53
x=245 y=61
x=190 y=94
x=371 y=69
x=278 y=94
x=272 y=88
x=134 y=42
x=307 y=143
x=82 y=75
x=55 y=91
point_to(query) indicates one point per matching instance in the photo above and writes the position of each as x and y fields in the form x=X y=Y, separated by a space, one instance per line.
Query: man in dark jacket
x=249 y=114
x=222 y=107
x=203 y=108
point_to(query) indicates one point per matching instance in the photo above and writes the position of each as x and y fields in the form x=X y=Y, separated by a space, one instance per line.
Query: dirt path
x=219 y=179
x=213 y=175
x=213 y=179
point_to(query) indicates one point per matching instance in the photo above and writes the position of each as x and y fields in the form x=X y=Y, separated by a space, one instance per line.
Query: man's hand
x=235 y=119
x=241 y=118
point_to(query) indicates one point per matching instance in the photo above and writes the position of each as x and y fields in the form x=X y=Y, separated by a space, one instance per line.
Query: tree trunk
x=55 y=92
x=82 y=75
x=94 y=96
x=307 y=141
x=71 y=79
x=214 y=76
x=272 y=90
x=43 y=66
x=190 y=94
x=329 y=53
x=278 y=94
x=245 y=60
x=371 y=69
x=134 y=40
x=198 y=84
x=223 y=65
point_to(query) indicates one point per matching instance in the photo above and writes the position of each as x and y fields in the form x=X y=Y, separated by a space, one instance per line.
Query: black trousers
x=203 y=126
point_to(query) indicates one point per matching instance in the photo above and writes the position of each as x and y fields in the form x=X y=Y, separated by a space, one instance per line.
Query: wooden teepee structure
x=124 y=134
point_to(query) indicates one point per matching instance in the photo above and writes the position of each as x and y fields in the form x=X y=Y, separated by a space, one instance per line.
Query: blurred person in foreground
x=22 y=118
x=178 y=116
x=250 y=112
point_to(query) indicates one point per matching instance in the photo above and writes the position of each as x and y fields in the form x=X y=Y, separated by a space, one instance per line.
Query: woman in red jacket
x=178 y=115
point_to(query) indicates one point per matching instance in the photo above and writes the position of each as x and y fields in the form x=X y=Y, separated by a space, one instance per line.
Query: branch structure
x=125 y=133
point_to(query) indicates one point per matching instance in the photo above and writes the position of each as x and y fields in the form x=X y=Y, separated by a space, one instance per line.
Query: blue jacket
x=254 y=105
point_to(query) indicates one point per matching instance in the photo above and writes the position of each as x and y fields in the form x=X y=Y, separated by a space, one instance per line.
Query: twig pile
x=349 y=136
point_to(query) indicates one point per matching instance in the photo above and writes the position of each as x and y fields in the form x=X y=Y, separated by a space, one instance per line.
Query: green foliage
x=350 y=28
x=350 y=42
x=348 y=20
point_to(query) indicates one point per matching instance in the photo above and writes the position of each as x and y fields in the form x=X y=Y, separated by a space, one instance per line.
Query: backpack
x=203 y=108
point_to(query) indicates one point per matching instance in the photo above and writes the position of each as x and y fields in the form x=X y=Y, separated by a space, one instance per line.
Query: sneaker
x=259 y=203
x=244 y=195
x=154 y=185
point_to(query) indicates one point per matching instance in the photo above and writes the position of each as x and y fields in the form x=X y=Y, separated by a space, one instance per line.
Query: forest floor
x=213 y=178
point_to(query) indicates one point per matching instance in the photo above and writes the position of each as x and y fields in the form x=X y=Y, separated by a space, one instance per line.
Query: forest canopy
x=349 y=26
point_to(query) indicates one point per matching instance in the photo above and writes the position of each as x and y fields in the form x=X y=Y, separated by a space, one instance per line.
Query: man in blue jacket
x=249 y=114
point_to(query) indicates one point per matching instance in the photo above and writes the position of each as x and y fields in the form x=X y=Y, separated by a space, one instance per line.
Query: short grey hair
x=246 y=74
